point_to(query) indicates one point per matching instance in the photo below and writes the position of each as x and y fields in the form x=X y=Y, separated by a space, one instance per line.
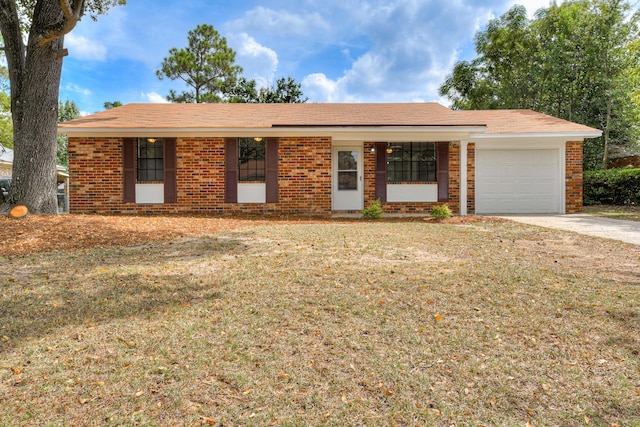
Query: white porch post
x=463 y=177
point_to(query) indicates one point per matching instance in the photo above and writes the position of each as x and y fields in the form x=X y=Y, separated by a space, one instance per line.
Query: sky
x=338 y=50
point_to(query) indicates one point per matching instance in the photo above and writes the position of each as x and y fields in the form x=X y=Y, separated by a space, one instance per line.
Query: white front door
x=348 y=185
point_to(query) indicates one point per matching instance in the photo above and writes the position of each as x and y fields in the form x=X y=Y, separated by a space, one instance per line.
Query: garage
x=518 y=181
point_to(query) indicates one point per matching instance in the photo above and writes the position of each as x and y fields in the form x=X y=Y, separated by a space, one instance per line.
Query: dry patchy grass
x=323 y=323
x=629 y=213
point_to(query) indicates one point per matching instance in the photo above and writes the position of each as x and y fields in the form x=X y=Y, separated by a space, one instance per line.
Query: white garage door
x=517 y=181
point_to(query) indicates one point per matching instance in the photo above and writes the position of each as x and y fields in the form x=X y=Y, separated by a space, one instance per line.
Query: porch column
x=463 y=177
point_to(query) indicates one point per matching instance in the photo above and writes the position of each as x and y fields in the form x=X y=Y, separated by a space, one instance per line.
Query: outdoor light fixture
x=151 y=140
x=257 y=139
x=389 y=150
x=372 y=149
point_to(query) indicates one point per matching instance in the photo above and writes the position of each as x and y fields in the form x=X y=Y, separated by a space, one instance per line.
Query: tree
x=571 y=61
x=206 y=66
x=33 y=34
x=66 y=111
x=109 y=105
x=243 y=92
x=283 y=92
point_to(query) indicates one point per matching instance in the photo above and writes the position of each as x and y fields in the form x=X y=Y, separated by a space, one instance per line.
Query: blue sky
x=339 y=50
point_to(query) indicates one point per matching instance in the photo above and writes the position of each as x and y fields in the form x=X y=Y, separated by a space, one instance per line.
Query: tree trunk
x=35 y=116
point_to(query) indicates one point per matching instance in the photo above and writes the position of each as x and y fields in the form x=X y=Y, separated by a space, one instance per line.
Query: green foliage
x=67 y=110
x=206 y=66
x=6 y=124
x=243 y=92
x=112 y=104
x=612 y=187
x=441 y=212
x=575 y=61
x=286 y=90
x=373 y=211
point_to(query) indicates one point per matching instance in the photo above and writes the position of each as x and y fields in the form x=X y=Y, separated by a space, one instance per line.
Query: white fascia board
x=356 y=133
x=567 y=136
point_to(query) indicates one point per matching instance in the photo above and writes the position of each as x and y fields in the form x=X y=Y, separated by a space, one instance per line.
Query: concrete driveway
x=626 y=231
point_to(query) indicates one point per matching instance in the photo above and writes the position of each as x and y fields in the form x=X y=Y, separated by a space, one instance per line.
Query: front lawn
x=117 y=321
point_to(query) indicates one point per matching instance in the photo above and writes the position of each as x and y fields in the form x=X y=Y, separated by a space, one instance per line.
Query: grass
x=334 y=323
x=629 y=213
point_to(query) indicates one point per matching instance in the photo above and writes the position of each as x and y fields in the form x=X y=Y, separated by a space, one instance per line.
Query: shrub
x=373 y=211
x=441 y=212
x=619 y=187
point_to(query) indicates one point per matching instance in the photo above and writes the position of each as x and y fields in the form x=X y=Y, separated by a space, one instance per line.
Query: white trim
x=346 y=133
x=252 y=193
x=408 y=193
x=149 y=193
x=565 y=135
x=463 y=177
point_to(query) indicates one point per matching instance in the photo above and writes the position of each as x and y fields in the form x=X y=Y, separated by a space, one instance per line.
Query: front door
x=348 y=192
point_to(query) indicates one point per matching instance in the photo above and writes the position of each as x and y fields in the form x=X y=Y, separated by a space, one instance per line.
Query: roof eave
x=281 y=131
x=580 y=135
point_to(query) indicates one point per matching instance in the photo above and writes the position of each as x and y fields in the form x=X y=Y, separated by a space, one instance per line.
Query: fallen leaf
x=16 y=371
x=139 y=393
x=437 y=317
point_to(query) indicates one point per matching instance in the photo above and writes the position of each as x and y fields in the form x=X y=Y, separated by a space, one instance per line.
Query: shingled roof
x=194 y=117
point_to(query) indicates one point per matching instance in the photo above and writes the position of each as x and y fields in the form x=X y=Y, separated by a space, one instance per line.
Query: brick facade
x=412 y=207
x=304 y=179
x=573 y=165
x=304 y=176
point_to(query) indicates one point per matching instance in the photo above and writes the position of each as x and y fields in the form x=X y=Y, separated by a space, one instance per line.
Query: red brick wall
x=304 y=178
x=304 y=175
x=417 y=207
x=573 y=162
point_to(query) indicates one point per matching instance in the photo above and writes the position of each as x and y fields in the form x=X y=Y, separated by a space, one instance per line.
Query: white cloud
x=84 y=49
x=412 y=45
x=258 y=62
x=279 y=22
x=154 y=98
x=72 y=87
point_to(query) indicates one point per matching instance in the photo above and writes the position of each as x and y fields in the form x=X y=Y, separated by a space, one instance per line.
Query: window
x=251 y=159
x=411 y=162
x=150 y=159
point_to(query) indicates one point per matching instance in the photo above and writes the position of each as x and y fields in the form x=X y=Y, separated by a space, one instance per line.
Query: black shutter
x=170 y=171
x=231 y=170
x=271 y=165
x=129 y=169
x=381 y=171
x=443 y=171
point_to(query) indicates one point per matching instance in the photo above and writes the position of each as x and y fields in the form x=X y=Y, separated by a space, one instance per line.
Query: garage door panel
x=517 y=181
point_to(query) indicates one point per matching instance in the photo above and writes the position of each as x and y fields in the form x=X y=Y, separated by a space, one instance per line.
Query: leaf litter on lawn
x=321 y=323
